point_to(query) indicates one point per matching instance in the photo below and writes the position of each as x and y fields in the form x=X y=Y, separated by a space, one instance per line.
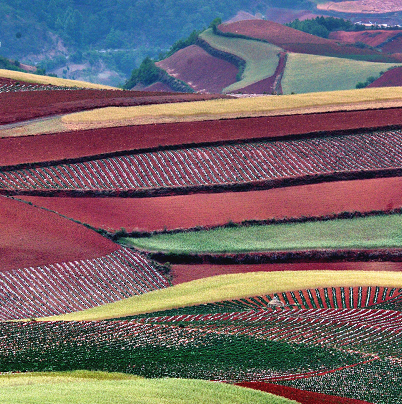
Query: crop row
x=77 y=285
x=156 y=350
x=372 y=297
x=215 y=165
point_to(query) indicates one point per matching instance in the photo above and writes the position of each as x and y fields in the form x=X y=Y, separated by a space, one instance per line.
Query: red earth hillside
x=391 y=78
x=370 y=37
x=296 y=41
x=32 y=237
x=202 y=72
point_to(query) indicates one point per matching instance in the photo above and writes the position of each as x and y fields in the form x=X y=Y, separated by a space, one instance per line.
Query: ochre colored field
x=32 y=237
x=76 y=144
x=186 y=211
x=188 y=273
x=203 y=72
x=234 y=286
x=34 y=78
x=24 y=105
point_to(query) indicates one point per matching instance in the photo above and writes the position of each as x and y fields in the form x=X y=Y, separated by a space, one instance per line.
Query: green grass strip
x=69 y=387
x=310 y=73
x=261 y=58
x=367 y=232
x=233 y=286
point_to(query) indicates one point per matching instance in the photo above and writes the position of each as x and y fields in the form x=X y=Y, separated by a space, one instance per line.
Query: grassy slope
x=34 y=78
x=100 y=387
x=310 y=73
x=368 y=232
x=261 y=58
x=234 y=286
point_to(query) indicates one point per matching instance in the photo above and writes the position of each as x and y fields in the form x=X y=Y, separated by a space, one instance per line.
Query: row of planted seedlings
x=216 y=165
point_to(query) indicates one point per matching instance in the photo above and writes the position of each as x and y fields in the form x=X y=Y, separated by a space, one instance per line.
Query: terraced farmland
x=323 y=317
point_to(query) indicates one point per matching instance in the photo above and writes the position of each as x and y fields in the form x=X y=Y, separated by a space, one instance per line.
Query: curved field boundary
x=22 y=106
x=261 y=58
x=76 y=285
x=186 y=273
x=302 y=396
x=361 y=6
x=189 y=211
x=309 y=73
x=296 y=41
x=390 y=78
x=32 y=237
x=228 y=287
x=266 y=164
x=38 y=79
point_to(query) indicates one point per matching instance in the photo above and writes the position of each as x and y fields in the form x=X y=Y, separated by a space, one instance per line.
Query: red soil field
x=187 y=211
x=159 y=86
x=186 y=273
x=53 y=147
x=394 y=46
x=203 y=72
x=391 y=78
x=373 y=38
x=32 y=237
x=295 y=41
x=301 y=396
x=24 y=105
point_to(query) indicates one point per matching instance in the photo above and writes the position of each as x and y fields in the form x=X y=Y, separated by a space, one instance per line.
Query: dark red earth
x=391 y=78
x=187 y=273
x=187 y=211
x=370 y=37
x=200 y=70
x=293 y=40
x=24 y=105
x=92 y=142
x=301 y=396
x=32 y=237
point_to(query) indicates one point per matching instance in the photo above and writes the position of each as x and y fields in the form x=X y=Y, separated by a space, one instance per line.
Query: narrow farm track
x=59 y=288
x=95 y=142
x=234 y=164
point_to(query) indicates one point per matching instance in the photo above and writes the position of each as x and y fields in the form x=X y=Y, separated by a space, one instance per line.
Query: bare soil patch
x=371 y=38
x=189 y=211
x=93 y=142
x=391 y=78
x=34 y=237
x=362 y=6
x=203 y=72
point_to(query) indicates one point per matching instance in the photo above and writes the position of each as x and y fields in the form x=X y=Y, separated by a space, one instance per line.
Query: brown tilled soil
x=32 y=237
x=187 y=273
x=203 y=72
x=92 y=142
x=188 y=211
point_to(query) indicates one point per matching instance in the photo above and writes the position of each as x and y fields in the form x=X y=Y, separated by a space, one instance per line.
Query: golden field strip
x=348 y=100
x=55 y=81
x=233 y=286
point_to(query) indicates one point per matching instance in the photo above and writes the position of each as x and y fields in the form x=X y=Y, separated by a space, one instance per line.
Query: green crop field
x=261 y=58
x=102 y=388
x=233 y=286
x=368 y=232
x=309 y=73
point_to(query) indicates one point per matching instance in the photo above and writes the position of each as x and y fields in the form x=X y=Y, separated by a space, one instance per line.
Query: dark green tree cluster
x=322 y=26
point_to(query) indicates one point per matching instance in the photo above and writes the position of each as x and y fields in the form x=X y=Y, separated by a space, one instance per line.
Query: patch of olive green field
x=35 y=78
x=231 y=286
x=103 y=388
x=310 y=73
x=382 y=231
x=261 y=58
